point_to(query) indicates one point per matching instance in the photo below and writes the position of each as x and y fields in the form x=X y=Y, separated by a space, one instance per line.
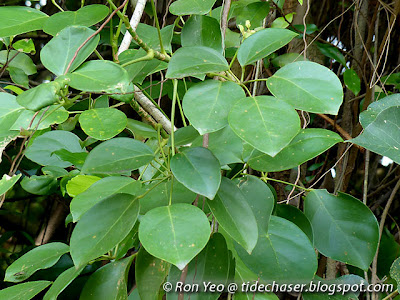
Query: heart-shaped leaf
x=190 y=7
x=307 y=86
x=259 y=121
x=175 y=233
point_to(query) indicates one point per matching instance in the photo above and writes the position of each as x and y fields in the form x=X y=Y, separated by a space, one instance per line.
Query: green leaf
x=332 y=52
x=198 y=170
x=6 y=138
x=9 y=111
x=39 y=185
x=284 y=254
x=118 y=155
x=47 y=117
x=207 y=104
x=149 y=35
x=103 y=123
x=103 y=227
x=80 y=183
x=193 y=61
x=7 y=182
x=56 y=56
x=62 y=281
x=352 y=81
x=99 y=76
x=150 y=273
x=109 y=282
x=295 y=215
x=253 y=12
x=20 y=19
x=235 y=215
x=42 y=257
x=344 y=228
x=190 y=7
x=308 y=144
x=307 y=86
x=395 y=272
x=282 y=22
x=255 y=47
x=287 y=58
x=54 y=171
x=75 y=158
x=257 y=120
x=202 y=31
x=175 y=233
x=18 y=76
x=25 y=291
x=85 y=16
x=42 y=149
x=25 y=45
x=184 y=136
x=141 y=130
x=100 y=190
x=20 y=60
x=381 y=123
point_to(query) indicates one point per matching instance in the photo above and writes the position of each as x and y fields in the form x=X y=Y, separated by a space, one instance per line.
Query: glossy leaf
x=99 y=76
x=56 y=56
x=381 y=123
x=42 y=149
x=202 y=31
x=198 y=170
x=39 y=185
x=109 y=282
x=284 y=254
x=62 y=281
x=20 y=19
x=295 y=215
x=103 y=227
x=41 y=257
x=352 y=81
x=195 y=60
x=307 y=86
x=255 y=47
x=26 y=290
x=344 y=228
x=103 y=123
x=208 y=103
x=175 y=233
x=118 y=155
x=308 y=144
x=85 y=16
x=190 y=7
x=80 y=183
x=7 y=182
x=257 y=120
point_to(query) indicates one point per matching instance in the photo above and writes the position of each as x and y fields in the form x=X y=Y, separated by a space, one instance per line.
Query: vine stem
x=175 y=83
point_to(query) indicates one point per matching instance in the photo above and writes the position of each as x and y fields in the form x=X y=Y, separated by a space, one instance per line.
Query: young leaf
x=56 y=56
x=118 y=155
x=308 y=144
x=352 y=81
x=208 y=103
x=62 y=281
x=41 y=257
x=255 y=47
x=80 y=183
x=191 y=7
x=257 y=120
x=344 y=228
x=195 y=60
x=198 y=170
x=307 y=86
x=7 y=182
x=234 y=214
x=103 y=123
x=175 y=233
x=26 y=290
x=103 y=227
x=25 y=45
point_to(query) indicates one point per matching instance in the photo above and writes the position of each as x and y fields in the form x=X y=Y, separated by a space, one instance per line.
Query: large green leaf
x=189 y=7
x=235 y=215
x=99 y=76
x=62 y=281
x=284 y=254
x=202 y=31
x=198 y=170
x=25 y=291
x=41 y=257
x=42 y=149
x=103 y=123
x=295 y=215
x=100 y=190
x=308 y=144
x=195 y=60
x=103 y=227
x=109 y=282
x=259 y=121
x=20 y=19
x=208 y=103
x=85 y=16
x=175 y=233
x=307 y=86
x=150 y=273
x=381 y=122
x=56 y=56
x=344 y=228
x=20 y=60
x=262 y=44
x=118 y=155
x=7 y=182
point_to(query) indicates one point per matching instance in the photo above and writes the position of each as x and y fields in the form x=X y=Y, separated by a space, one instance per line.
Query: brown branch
x=342 y=132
